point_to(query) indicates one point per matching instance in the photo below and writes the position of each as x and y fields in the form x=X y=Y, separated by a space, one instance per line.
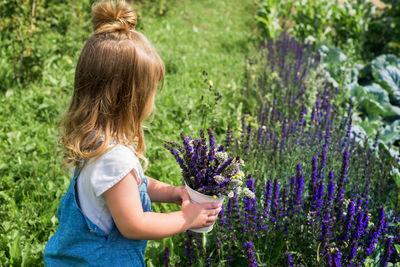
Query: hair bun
x=110 y=17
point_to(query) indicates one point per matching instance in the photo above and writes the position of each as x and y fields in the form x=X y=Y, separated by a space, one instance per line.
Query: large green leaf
x=374 y=107
x=396 y=176
x=331 y=55
x=389 y=78
x=374 y=100
x=383 y=61
x=373 y=90
x=391 y=133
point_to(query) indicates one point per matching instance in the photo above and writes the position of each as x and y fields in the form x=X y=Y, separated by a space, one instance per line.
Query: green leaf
x=391 y=133
x=15 y=250
x=390 y=80
x=383 y=61
x=377 y=92
x=397 y=248
x=396 y=176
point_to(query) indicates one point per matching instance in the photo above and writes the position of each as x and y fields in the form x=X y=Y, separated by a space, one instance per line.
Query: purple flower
x=267 y=202
x=359 y=230
x=167 y=254
x=248 y=141
x=387 y=252
x=205 y=168
x=319 y=195
x=249 y=252
x=211 y=148
x=330 y=189
x=328 y=260
x=299 y=189
x=375 y=233
x=228 y=139
x=325 y=228
x=342 y=181
x=323 y=161
x=275 y=200
x=338 y=259
x=288 y=259
x=348 y=221
x=352 y=253
x=175 y=153
x=250 y=206
x=189 y=250
x=313 y=184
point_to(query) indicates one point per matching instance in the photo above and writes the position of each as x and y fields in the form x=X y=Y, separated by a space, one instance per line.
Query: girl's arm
x=123 y=200
x=162 y=192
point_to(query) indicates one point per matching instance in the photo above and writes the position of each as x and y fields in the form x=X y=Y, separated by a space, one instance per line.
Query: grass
x=191 y=37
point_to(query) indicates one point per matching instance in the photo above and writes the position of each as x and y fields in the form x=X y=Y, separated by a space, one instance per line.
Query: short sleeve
x=111 y=167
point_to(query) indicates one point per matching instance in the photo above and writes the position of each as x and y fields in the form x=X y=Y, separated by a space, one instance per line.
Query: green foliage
x=343 y=25
x=384 y=31
x=31 y=31
x=373 y=88
x=269 y=18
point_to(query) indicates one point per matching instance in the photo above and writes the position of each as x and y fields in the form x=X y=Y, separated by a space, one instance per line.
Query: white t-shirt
x=100 y=174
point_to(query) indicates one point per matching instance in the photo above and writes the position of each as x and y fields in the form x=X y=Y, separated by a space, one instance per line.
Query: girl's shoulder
x=109 y=168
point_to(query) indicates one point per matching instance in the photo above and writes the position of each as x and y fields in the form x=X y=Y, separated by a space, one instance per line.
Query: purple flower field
x=323 y=195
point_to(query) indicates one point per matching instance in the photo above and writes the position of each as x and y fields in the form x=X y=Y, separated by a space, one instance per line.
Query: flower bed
x=323 y=197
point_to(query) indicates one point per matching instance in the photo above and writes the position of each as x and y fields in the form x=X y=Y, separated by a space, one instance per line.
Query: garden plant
x=322 y=198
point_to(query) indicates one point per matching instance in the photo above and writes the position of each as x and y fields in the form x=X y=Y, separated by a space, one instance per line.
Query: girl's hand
x=176 y=194
x=198 y=215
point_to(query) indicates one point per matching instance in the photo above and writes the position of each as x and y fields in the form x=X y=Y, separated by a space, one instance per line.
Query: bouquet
x=208 y=169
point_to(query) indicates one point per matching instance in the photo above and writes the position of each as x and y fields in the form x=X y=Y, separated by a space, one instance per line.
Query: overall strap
x=78 y=168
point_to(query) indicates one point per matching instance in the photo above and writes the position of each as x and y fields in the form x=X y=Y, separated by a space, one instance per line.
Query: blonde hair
x=115 y=81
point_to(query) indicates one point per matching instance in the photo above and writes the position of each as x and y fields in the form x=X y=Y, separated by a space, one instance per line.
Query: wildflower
x=210 y=83
x=342 y=181
x=375 y=233
x=207 y=168
x=251 y=260
x=167 y=254
x=189 y=247
x=352 y=254
x=221 y=156
x=338 y=259
x=349 y=220
x=219 y=179
x=247 y=192
x=387 y=252
x=313 y=184
x=228 y=139
x=299 y=189
x=267 y=202
x=288 y=259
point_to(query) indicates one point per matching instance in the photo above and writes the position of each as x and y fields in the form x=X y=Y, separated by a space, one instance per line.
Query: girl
x=105 y=217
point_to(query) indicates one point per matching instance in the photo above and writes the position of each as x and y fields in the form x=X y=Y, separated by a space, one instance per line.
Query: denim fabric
x=79 y=242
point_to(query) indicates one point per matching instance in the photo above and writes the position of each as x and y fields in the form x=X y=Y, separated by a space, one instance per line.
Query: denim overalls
x=79 y=242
